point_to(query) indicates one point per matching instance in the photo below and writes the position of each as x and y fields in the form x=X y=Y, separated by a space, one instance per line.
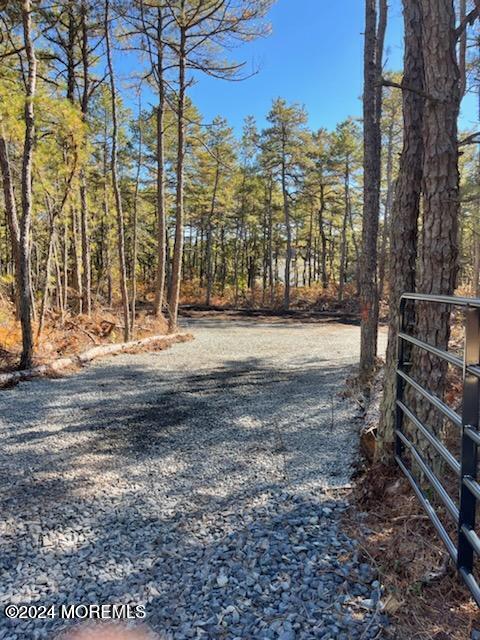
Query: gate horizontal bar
x=472 y=584
x=435 y=482
x=472 y=538
x=440 y=353
x=473 y=434
x=433 y=440
x=430 y=511
x=472 y=485
x=436 y=402
x=453 y=300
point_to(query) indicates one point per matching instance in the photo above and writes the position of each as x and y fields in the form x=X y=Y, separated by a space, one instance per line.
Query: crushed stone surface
x=203 y=483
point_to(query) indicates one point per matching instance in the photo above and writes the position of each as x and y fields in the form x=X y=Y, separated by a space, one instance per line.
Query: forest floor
x=206 y=482
x=70 y=335
x=424 y=597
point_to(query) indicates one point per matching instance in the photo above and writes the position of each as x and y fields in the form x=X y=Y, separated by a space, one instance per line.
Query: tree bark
x=405 y=213
x=25 y=222
x=346 y=217
x=161 y=222
x=48 y=268
x=286 y=212
x=209 y=237
x=135 y=220
x=438 y=260
x=116 y=186
x=372 y=173
x=387 y=213
x=84 y=226
x=323 y=238
x=179 y=205
x=11 y=214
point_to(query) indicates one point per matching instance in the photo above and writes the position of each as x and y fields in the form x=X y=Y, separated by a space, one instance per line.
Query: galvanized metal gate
x=466 y=543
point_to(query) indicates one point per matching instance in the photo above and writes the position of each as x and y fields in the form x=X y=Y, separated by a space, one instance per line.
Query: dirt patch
x=269 y=315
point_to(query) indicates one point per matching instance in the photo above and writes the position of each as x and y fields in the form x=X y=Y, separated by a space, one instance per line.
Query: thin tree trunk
x=25 y=222
x=135 y=219
x=209 y=236
x=77 y=268
x=48 y=267
x=59 y=283
x=179 y=209
x=310 y=249
x=116 y=186
x=65 y=267
x=346 y=216
x=270 y=243
x=11 y=214
x=85 y=241
x=323 y=238
x=288 y=257
x=372 y=108
x=387 y=212
x=84 y=226
x=161 y=222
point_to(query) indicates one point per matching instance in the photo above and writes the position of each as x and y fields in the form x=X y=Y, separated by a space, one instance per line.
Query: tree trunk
x=476 y=261
x=48 y=267
x=116 y=186
x=372 y=173
x=85 y=240
x=179 y=209
x=438 y=261
x=323 y=238
x=270 y=244
x=135 y=220
x=346 y=216
x=288 y=257
x=161 y=222
x=387 y=212
x=209 y=236
x=84 y=226
x=25 y=222
x=11 y=214
x=77 y=265
x=405 y=213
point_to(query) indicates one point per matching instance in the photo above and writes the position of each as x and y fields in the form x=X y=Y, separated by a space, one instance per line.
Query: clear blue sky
x=314 y=56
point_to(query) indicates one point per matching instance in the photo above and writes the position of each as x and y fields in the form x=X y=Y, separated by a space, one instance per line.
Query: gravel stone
x=204 y=482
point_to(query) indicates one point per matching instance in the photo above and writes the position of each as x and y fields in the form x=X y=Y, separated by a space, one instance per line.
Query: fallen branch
x=88 y=356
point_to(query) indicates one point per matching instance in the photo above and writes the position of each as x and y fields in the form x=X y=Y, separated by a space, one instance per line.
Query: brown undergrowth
x=71 y=334
x=423 y=595
x=314 y=298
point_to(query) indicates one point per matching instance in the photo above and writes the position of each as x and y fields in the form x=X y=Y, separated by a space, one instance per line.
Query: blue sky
x=314 y=57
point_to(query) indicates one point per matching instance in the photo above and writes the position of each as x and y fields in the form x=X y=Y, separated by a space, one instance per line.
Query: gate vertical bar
x=471 y=387
x=400 y=381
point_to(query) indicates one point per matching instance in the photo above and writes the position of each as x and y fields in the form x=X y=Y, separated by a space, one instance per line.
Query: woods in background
x=117 y=194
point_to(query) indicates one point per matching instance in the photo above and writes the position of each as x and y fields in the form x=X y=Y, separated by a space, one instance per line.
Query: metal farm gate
x=466 y=543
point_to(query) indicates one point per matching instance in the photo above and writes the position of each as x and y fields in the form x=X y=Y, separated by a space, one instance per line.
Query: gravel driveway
x=202 y=482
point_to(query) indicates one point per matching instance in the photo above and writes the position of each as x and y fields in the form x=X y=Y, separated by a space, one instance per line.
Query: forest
x=113 y=206
x=125 y=211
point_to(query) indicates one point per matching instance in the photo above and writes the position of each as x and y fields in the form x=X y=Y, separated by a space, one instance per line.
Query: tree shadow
x=116 y=488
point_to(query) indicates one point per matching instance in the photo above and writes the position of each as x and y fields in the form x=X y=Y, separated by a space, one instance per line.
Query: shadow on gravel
x=157 y=529
x=196 y=417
